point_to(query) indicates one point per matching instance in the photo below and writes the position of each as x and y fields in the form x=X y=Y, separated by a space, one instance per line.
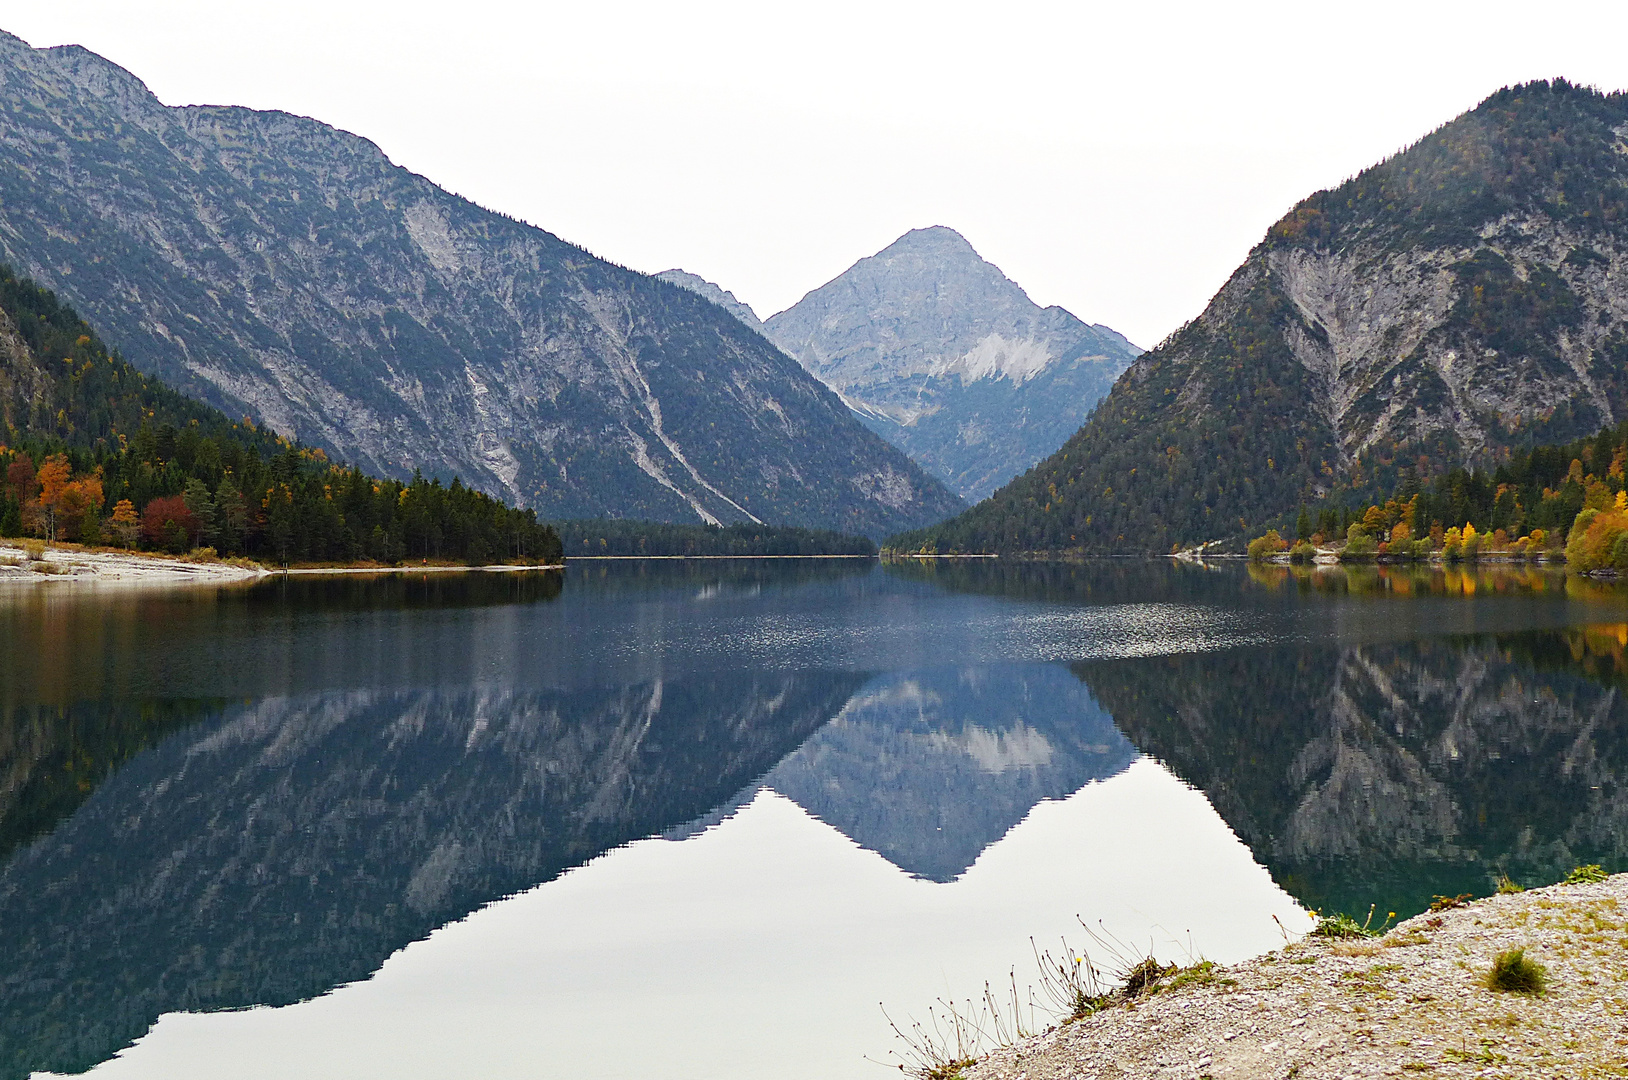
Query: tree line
x=97 y=453
x=656 y=538
x=1542 y=501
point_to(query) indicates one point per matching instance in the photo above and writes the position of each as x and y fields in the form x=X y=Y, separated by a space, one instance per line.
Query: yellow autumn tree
x=124 y=526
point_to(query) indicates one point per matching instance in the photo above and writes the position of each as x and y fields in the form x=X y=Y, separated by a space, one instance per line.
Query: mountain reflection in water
x=358 y=764
x=1387 y=775
x=929 y=768
x=291 y=845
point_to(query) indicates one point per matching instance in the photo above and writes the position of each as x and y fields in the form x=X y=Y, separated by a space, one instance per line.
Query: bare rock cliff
x=278 y=268
x=1464 y=298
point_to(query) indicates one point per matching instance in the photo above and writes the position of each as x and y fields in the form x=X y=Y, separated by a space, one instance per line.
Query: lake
x=710 y=819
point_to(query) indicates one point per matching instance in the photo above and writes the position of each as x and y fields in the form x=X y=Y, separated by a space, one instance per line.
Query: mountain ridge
x=943 y=355
x=1463 y=297
x=276 y=267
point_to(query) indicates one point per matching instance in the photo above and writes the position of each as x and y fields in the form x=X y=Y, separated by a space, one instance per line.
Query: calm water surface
x=697 y=820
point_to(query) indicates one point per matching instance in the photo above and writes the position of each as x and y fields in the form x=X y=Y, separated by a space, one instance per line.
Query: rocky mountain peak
x=927 y=304
x=716 y=293
x=278 y=268
x=1464 y=298
x=946 y=357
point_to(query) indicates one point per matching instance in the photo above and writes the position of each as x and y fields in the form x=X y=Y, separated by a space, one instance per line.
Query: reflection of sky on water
x=874 y=784
x=758 y=948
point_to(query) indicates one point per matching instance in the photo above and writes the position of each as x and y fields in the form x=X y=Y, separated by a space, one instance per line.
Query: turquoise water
x=710 y=819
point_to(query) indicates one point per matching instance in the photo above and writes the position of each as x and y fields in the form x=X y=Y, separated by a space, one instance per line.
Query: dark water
x=678 y=819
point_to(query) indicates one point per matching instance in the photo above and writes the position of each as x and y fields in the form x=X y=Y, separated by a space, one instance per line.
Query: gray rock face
x=951 y=361
x=716 y=293
x=278 y=268
x=1461 y=300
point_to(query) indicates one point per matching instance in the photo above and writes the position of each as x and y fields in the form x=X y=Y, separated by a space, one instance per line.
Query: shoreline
x=1414 y=1000
x=101 y=566
x=653 y=558
x=494 y=568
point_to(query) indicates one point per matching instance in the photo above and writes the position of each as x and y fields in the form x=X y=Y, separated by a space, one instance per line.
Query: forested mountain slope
x=93 y=451
x=1467 y=296
x=283 y=270
x=948 y=359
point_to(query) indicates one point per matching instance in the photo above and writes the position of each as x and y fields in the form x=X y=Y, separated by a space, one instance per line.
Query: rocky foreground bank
x=1413 y=1002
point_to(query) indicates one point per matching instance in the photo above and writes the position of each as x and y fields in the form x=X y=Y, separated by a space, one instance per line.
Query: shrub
x=1419 y=550
x=1592 y=542
x=1586 y=875
x=1145 y=975
x=1302 y=552
x=1619 y=552
x=1358 y=545
x=1513 y=973
x=1264 y=547
x=203 y=555
x=34 y=549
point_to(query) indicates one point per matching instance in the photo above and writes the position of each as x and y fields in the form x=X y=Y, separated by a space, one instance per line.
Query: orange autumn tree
x=79 y=508
x=66 y=504
x=52 y=478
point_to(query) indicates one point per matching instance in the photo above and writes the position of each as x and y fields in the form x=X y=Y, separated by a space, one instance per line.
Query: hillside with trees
x=656 y=539
x=96 y=452
x=278 y=268
x=1538 y=501
x=1454 y=305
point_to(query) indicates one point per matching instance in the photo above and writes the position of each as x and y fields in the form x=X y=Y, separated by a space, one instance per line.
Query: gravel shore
x=73 y=565
x=1413 y=1002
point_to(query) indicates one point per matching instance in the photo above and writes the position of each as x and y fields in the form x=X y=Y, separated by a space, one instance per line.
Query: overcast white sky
x=1117 y=159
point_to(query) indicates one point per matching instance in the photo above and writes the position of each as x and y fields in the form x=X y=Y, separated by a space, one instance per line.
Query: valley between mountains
x=1459 y=302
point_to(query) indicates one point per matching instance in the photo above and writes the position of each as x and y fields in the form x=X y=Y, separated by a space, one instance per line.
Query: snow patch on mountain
x=998 y=357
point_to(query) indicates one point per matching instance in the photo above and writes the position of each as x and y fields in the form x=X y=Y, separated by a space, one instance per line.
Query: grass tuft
x=1146 y=975
x=1339 y=925
x=1513 y=973
x=1506 y=886
x=1586 y=875
x=1448 y=903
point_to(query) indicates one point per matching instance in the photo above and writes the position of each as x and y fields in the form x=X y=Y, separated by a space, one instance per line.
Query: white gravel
x=1412 y=1003
x=73 y=565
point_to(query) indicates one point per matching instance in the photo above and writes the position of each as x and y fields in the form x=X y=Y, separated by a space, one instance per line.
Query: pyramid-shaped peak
x=935 y=238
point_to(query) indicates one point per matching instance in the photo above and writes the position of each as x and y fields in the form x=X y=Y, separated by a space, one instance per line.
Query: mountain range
x=286 y=271
x=1464 y=297
x=937 y=351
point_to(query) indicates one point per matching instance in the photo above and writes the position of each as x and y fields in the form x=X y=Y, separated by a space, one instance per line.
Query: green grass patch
x=1513 y=973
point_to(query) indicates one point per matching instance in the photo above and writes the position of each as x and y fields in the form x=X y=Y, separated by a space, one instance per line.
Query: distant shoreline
x=648 y=558
x=495 y=568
